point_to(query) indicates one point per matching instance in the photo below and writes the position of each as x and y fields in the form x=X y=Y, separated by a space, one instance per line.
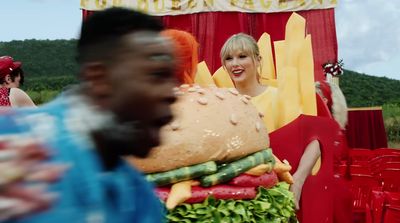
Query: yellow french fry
x=179 y=193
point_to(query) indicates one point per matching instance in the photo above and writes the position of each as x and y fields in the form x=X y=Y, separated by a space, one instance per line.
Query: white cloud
x=369 y=35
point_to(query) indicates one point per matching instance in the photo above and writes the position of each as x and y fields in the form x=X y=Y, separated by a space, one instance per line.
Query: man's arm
x=19 y=165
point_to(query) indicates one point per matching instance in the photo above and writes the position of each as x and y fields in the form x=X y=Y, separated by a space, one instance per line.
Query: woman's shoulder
x=20 y=98
x=17 y=93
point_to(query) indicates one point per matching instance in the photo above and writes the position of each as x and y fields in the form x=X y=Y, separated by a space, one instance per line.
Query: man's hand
x=24 y=178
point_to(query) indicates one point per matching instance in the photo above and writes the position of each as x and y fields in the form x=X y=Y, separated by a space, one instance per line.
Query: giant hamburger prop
x=215 y=165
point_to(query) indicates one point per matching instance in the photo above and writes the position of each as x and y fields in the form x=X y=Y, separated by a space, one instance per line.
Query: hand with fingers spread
x=24 y=178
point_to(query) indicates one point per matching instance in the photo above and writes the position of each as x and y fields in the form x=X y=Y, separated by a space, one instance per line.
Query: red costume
x=4 y=96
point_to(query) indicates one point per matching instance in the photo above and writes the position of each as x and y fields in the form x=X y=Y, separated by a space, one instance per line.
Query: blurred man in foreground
x=21 y=160
x=126 y=72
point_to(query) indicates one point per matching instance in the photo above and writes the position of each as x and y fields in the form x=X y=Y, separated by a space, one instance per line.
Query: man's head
x=11 y=73
x=127 y=68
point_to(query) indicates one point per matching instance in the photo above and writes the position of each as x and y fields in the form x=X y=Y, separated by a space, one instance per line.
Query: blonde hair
x=245 y=43
x=242 y=42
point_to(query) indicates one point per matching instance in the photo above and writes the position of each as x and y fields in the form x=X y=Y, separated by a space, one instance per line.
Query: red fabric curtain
x=212 y=29
x=365 y=129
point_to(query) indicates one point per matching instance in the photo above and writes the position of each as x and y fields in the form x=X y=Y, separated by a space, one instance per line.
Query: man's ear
x=96 y=80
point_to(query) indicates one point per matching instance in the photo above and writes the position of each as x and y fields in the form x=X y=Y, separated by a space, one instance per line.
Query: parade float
x=293 y=51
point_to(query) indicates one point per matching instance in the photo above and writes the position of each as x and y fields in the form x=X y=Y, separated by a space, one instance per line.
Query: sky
x=368 y=31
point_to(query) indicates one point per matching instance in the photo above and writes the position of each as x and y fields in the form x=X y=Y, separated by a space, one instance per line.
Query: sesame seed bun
x=209 y=124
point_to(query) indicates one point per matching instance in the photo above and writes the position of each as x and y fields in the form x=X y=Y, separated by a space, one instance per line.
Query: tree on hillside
x=363 y=90
x=43 y=57
x=51 y=65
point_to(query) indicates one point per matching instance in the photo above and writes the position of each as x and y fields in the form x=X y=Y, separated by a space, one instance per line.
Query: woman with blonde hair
x=240 y=57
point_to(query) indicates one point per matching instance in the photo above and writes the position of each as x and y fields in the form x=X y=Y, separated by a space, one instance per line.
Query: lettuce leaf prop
x=274 y=205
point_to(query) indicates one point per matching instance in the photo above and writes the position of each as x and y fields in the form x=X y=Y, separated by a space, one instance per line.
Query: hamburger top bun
x=209 y=124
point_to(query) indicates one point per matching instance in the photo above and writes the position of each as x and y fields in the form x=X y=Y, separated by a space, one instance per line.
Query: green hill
x=43 y=57
x=50 y=66
x=362 y=90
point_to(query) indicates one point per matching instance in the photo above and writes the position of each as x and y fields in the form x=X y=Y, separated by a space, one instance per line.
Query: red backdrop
x=212 y=29
x=366 y=129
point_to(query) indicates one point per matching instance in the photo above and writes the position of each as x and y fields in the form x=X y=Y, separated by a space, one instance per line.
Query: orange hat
x=7 y=65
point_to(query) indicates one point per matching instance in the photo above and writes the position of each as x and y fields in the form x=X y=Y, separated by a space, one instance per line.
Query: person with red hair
x=186 y=52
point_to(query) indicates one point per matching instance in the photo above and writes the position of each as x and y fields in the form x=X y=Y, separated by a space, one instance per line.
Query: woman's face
x=241 y=66
x=17 y=81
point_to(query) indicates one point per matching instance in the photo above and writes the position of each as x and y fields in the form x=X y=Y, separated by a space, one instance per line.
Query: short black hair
x=18 y=72
x=103 y=30
x=15 y=73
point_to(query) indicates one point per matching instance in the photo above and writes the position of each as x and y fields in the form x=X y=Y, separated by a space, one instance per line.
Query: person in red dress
x=336 y=102
x=11 y=77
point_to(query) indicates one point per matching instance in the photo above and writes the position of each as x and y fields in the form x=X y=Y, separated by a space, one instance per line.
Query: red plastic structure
x=290 y=141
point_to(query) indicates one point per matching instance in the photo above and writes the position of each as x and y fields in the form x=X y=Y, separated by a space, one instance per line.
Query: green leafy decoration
x=275 y=205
